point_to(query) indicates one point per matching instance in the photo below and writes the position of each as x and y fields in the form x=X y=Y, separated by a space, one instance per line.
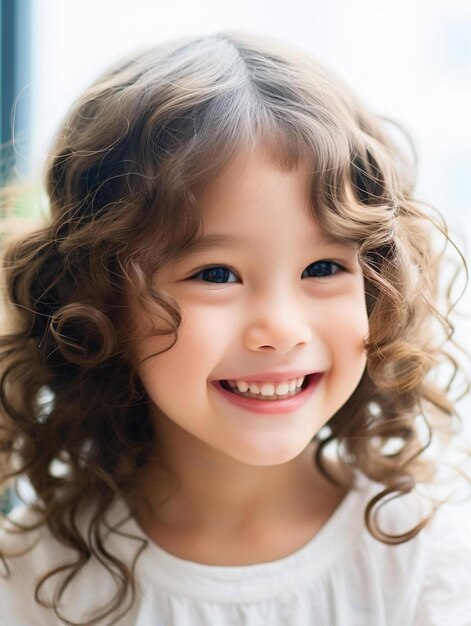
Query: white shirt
x=341 y=577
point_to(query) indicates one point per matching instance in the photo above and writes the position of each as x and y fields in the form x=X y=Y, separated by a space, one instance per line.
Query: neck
x=224 y=512
x=218 y=494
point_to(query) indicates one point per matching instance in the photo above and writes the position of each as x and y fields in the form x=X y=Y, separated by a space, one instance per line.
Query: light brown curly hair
x=123 y=181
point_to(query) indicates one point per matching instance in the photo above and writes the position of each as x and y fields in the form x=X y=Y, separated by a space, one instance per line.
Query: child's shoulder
x=19 y=547
x=449 y=525
x=432 y=571
x=25 y=558
x=446 y=543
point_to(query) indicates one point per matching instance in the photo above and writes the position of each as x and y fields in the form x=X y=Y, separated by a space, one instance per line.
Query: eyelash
x=332 y=264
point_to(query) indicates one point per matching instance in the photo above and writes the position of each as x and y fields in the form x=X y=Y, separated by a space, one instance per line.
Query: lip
x=270 y=407
x=272 y=376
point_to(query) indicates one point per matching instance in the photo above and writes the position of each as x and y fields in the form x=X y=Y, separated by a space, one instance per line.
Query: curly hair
x=123 y=180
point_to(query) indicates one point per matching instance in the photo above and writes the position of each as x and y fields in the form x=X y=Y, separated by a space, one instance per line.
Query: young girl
x=218 y=374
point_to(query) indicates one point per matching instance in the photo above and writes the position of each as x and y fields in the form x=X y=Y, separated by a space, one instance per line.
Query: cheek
x=346 y=328
x=344 y=335
x=201 y=341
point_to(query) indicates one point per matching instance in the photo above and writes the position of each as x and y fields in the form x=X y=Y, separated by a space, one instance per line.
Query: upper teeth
x=268 y=388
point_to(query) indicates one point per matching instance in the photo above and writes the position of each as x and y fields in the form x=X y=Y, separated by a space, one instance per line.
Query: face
x=279 y=297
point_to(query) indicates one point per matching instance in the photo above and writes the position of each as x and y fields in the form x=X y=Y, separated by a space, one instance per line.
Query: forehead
x=251 y=171
x=248 y=185
x=254 y=195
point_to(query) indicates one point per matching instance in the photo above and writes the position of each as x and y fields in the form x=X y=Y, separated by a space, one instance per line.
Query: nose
x=278 y=324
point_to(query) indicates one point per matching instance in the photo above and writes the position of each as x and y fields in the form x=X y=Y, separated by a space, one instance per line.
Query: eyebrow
x=223 y=240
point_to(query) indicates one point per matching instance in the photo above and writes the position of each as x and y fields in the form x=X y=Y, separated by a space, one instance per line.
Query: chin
x=269 y=456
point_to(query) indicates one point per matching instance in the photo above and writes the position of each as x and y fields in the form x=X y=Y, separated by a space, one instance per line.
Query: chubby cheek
x=182 y=372
x=345 y=335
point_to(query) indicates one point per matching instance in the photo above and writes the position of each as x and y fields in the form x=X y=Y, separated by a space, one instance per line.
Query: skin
x=249 y=490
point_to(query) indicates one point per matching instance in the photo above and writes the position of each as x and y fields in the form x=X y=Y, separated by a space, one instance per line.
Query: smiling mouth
x=258 y=396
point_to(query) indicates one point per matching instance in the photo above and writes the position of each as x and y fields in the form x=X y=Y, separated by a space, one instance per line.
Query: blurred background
x=409 y=60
